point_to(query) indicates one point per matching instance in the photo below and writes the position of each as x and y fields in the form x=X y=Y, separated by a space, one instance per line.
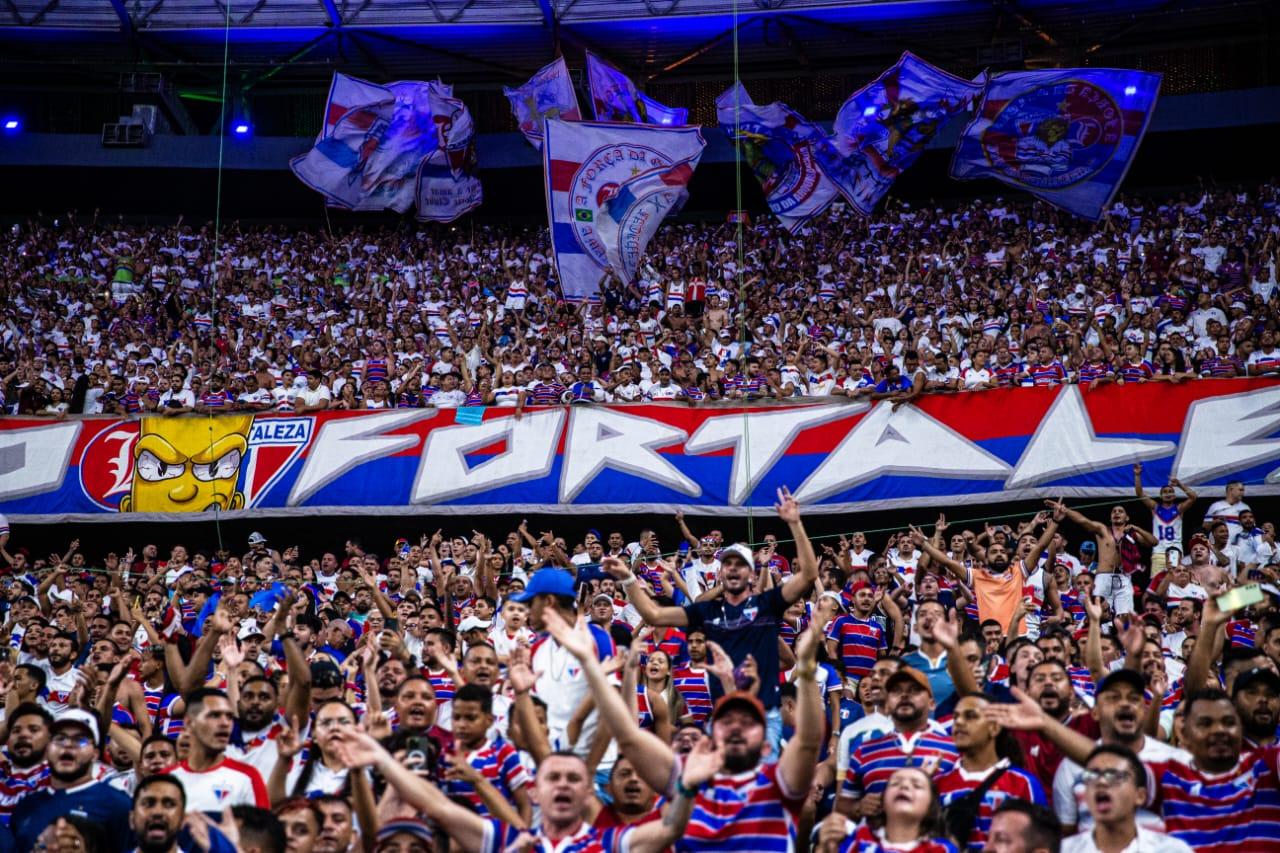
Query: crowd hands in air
x=1104 y=681
x=105 y=317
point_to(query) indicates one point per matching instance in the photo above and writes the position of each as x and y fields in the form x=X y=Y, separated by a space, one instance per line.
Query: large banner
x=944 y=451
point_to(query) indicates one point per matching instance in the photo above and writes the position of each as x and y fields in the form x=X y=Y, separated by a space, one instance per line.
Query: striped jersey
x=500 y=837
x=875 y=760
x=1014 y=783
x=1236 y=812
x=499 y=763
x=18 y=782
x=441 y=683
x=859 y=642
x=1047 y=374
x=1130 y=372
x=695 y=689
x=748 y=812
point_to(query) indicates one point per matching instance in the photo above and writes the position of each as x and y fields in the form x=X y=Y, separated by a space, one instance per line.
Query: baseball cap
x=546 y=582
x=1121 y=676
x=250 y=629
x=404 y=826
x=77 y=717
x=471 y=623
x=1253 y=676
x=256 y=538
x=909 y=673
x=739 y=699
x=741 y=551
x=1091 y=547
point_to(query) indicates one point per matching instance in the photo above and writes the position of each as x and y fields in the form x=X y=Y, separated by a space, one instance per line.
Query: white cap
x=471 y=623
x=742 y=551
x=250 y=629
x=256 y=538
x=81 y=718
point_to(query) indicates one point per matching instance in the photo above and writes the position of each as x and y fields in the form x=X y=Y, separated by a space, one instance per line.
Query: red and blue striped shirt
x=1233 y=812
x=859 y=642
x=695 y=689
x=744 y=813
x=1014 y=783
x=874 y=761
x=499 y=763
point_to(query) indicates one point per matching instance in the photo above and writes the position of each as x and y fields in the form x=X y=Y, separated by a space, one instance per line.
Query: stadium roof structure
x=488 y=41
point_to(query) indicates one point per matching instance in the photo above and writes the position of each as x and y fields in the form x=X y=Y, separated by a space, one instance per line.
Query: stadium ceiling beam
x=332 y=13
x=702 y=49
x=48 y=7
x=551 y=21
x=794 y=43
x=248 y=17
x=126 y=22
x=440 y=51
x=13 y=10
x=290 y=60
x=1135 y=21
x=146 y=17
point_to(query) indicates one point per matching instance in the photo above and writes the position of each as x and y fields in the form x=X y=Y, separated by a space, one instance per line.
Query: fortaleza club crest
x=161 y=464
x=597 y=191
x=1054 y=136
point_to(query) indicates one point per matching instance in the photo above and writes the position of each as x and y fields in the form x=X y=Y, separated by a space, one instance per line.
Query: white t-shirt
x=229 y=783
x=1145 y=842
x=312 y=397
x=1230 y=513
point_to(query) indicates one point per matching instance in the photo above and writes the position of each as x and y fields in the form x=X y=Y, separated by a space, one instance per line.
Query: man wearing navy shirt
x=73 y=748
x=744 y=623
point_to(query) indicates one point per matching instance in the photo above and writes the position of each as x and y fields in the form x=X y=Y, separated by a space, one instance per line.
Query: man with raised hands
x=743 y=622
x=751 y=805
x=562 y=786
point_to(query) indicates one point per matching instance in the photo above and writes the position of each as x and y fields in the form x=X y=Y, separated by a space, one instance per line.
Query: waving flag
x=375 y=141
x=885 y=125
x=548 y=94
x=615 y=98
x=448 y=185
x=1067 y=136
x=797 y=166
x=608 y=188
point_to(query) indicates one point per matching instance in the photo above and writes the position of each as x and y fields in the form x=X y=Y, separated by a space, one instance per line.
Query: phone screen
x=1240 y=597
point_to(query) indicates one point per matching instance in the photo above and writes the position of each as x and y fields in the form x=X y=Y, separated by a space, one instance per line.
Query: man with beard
x=261 y=719
x=1001 y=584
x=1256 y=695
x=159 y=808
x=1120 y=709
x=25 y=769
x=1050 y=687
x=909 y=701
x=748 y=806
x=72 y=755
x=211 y=779
x=743 y=623
x=986 y=750
x=61 y=674
x=562 y=786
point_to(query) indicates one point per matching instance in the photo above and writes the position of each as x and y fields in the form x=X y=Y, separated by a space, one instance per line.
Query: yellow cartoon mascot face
x=188 y=464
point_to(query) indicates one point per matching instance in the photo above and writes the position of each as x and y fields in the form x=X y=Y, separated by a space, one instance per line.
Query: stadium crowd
x=1069 y=684
x=104 y=317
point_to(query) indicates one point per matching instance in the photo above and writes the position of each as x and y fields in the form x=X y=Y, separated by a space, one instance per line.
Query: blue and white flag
x=448 y=184
x=608 y=188
x=793 y=158
x=376 y=140
x=548 y=94
x=1067 y=136
x=615 y=98
x=885 y=125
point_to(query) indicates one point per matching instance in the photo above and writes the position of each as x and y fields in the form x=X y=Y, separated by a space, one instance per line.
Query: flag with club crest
x=883 y=127
x=609 y=186
x=548 y=94
x=1067 y=136
x=798 y=168
x=448 y=183
x=615 y=98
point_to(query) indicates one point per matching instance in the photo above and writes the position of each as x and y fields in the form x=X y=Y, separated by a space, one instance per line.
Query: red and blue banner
x=1067 y=136
x=943 y=450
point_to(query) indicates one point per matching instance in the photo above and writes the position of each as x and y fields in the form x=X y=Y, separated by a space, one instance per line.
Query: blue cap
x=547 y=582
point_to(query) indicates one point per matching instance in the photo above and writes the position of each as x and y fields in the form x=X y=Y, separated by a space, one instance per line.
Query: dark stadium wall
x=1167 y=162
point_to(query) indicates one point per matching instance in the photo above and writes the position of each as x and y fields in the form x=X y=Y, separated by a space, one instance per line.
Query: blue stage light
x=241 y=129
x=1131 y=90
x=12 y=124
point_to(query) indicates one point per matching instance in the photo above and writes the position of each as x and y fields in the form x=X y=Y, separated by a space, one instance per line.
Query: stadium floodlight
x=241 y=129
x=1131 y=90
x=12 y=124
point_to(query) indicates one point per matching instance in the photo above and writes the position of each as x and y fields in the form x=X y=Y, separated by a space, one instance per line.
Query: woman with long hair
x=911 y=821
x=312 y=769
